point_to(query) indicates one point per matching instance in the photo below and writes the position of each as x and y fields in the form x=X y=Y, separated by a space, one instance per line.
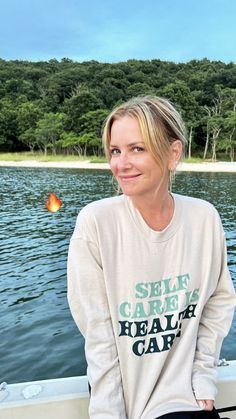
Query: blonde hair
x=159 y=122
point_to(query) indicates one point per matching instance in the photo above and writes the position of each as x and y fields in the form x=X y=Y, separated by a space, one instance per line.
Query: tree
x=230 y=131
x=8 y=125
x=184 y=100
x=206 y=122
x=28 y=137
x=78 y=105
x=71 y=142
x=29 y=90
x=93 y=121
x=16 y=87
x=221 y=121
x=90 y=143
x=49 y=130
x=110 y=92
x=28 y=114
x=215 y=125
x=139 y=89
x=84 y=144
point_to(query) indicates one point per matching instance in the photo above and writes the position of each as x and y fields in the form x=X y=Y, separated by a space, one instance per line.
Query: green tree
x=229 y=141
x=110 y=92
x=215 y=125
x=17 y=87
x=28 y=113
x=79 y=104
x=28 y=138
x=90 y=143
x=184 y=100
x=93 y=121
x=49 y=130
x=139 y=89
x=70 y=142
x=8 y=125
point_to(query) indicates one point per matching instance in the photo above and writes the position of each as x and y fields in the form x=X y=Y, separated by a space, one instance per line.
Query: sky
x=118 y=30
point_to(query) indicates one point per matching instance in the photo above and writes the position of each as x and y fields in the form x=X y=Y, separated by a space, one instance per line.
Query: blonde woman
x=148 y=284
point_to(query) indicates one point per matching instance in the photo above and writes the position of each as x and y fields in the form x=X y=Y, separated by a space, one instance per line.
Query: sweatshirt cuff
x=204 y=388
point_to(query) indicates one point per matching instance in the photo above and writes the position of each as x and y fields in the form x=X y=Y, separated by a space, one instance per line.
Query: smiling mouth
x=126 y=178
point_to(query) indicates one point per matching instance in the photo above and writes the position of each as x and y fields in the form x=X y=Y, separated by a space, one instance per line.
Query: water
x=39 y=339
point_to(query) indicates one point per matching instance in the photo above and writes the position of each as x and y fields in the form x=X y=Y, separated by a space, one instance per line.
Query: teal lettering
x=141 y=290
x=188 y=298
x=195 y=295
x=155 y=289
x=191 y=297
x=139 y=311
x=125 y=309
x=168 y=289
x=172 y=303
x=183 y=281
x=155 y=307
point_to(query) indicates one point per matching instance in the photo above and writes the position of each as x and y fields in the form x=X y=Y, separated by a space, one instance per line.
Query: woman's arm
x=213 y=327
x=89 y=307
x=206 y=404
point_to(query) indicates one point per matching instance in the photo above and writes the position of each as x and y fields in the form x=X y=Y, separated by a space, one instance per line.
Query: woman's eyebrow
x=128 y=145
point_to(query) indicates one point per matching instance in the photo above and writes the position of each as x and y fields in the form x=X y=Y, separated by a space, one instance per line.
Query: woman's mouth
x=128 y=177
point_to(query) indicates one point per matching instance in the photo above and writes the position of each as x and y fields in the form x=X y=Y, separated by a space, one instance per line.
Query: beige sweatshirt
x=153 y=306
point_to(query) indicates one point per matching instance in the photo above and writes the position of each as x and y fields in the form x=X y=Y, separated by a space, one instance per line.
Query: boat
x=68 y=398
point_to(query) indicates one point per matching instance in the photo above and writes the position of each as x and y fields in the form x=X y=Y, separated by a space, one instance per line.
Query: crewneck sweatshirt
x=153 y=306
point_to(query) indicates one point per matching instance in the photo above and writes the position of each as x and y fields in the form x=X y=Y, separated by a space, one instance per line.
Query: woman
x=148 y=284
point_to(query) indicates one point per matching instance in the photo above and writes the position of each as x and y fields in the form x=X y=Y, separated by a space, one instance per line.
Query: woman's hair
x=159 y=122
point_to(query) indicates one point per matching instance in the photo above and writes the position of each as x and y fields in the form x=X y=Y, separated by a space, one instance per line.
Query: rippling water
x=38 y=337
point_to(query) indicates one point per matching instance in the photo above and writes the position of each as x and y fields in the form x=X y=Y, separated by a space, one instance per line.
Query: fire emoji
x=53 y=203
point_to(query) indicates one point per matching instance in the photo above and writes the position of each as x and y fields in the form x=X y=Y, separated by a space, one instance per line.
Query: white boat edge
x=68 y=398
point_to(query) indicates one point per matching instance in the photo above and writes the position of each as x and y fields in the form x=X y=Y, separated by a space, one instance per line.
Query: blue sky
x=118 y=30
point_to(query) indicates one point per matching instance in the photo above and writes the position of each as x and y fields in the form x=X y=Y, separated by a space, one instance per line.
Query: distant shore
x=184 y=167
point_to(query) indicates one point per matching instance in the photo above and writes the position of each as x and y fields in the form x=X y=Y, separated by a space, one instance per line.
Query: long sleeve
x=214 y=325
x=89 y=307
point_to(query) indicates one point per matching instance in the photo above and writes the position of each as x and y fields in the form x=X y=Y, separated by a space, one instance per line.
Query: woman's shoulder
x=101 y=209
x=198 y=209
x=103 y=205
x=96 y=213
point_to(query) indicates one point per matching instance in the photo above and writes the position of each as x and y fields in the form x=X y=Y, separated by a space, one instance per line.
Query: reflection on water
x=39 y=339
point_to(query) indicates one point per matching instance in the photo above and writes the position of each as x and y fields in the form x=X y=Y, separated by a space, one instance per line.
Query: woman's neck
x=157 y=211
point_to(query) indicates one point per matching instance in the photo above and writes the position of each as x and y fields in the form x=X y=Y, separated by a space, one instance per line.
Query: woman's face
x=135 y=169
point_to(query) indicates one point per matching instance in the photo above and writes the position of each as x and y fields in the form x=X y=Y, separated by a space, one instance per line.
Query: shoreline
x=225 y=167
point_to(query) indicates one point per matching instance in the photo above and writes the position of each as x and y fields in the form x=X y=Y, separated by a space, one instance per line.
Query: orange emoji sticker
x=53 y=203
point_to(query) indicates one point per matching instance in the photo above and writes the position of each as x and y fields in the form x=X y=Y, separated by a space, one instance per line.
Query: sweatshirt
x=153 y=306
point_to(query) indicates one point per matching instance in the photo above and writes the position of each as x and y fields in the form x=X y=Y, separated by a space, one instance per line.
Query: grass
x=194 y=160
x=40 y=157
x=95 y=159
x=27 y=155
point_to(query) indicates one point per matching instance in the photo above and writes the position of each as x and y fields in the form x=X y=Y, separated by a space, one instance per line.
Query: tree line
x=60 y=106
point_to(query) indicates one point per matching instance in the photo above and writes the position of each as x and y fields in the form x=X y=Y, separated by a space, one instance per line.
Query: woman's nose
x=124 y=160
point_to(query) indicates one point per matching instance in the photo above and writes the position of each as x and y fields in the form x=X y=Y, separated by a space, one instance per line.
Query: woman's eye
x=138 y=149
x=114 y=151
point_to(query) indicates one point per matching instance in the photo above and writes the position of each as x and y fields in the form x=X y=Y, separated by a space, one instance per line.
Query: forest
x=59 y=107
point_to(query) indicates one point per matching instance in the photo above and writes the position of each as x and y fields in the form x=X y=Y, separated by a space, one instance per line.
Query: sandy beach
x=184 y=167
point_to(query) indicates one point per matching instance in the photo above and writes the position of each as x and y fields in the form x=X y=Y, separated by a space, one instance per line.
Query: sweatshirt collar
x=150 y=234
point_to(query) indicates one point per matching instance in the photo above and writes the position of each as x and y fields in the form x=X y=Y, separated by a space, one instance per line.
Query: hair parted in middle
x=160 y=124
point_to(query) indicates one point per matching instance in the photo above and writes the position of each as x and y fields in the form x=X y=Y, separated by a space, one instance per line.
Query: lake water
x=38 y=337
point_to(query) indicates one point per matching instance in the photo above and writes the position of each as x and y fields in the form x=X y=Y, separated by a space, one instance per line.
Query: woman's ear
x=176 y=149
